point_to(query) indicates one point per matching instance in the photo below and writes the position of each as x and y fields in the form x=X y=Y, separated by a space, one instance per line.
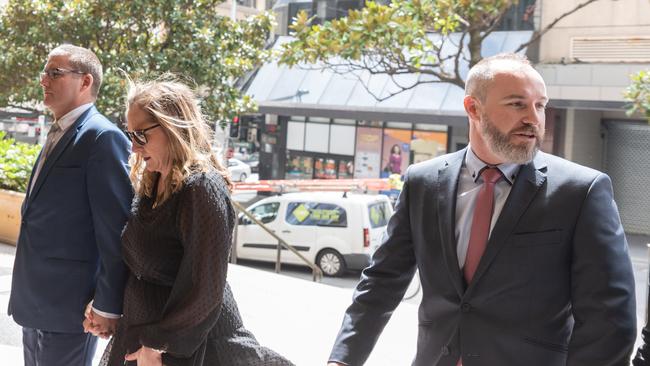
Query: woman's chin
x=150 y=168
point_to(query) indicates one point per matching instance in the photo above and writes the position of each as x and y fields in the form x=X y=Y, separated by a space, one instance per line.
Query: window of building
x=519 y=17
x=324 y=168
x=299 y=167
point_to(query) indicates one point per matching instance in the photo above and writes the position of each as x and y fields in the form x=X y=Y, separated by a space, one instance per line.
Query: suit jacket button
x=445 y=351
x=466 y=307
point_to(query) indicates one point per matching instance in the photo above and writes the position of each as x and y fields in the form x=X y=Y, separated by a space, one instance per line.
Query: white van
x=336 y=231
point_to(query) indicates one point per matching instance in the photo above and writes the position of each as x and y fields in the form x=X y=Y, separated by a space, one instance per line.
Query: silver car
x=239 y=170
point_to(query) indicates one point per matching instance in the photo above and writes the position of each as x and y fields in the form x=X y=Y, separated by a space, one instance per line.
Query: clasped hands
x=98 y=325
x=104 y=327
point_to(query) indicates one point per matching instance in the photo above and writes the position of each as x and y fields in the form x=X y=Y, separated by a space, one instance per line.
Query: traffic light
x=234 y=127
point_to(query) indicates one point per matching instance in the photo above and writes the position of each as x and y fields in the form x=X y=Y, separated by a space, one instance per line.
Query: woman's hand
x=145 y=356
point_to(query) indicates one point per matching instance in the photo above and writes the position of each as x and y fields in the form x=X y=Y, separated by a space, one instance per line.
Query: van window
x=316 y=214
x=378 y=213
x=265 y=213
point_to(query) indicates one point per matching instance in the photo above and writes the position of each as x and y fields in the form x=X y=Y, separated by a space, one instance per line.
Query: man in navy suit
x=521 y=254
x=76 y=205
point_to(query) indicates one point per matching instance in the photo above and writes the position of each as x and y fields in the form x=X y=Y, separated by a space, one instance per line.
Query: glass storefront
x=318 y=150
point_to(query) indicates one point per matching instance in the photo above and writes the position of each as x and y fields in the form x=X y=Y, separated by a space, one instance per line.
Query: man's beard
x=501 y=146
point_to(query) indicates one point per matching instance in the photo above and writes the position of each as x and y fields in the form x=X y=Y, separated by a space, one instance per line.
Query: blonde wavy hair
x=175 y=107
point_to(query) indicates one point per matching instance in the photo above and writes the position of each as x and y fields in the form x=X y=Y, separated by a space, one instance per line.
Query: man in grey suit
x=521 y=254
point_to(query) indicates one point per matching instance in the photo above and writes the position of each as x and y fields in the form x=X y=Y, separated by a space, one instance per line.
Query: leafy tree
x=638 y=94
x=392 y=39
x=142 y=37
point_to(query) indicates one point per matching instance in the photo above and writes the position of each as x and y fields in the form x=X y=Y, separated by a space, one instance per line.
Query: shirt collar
x=474 y=165
x=69 y=118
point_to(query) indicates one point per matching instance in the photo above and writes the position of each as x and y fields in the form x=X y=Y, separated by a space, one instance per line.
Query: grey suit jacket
x=554 y=287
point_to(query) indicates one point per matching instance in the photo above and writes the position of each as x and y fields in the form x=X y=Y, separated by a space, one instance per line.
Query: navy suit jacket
x=555 y=286
x=69 y=249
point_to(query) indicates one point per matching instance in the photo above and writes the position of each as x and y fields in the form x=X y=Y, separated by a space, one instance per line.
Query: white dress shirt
x=469 y=185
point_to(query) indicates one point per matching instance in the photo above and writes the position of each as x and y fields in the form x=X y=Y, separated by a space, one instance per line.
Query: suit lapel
x=530 y=179
x=57 y=151
x=446 y=200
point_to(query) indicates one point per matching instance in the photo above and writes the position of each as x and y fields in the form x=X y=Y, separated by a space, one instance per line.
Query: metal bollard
x=277 y=259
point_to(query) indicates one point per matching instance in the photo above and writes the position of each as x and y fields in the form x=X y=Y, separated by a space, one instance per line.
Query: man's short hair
x=482 y=74
x=83 y=60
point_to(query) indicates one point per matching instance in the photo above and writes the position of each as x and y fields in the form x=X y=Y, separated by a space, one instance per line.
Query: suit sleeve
x=602 y=283
x=109 y=195
x=380 y=290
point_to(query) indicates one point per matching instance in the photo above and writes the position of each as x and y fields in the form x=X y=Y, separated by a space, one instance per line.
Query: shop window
x=342 y=140
x=367 y=160
x=316 y=214
x=346 y=169
x=427 y=145
x=317 y=137
x=397 y=150
x=324 y=168
x=299 y=167
x=295 y=135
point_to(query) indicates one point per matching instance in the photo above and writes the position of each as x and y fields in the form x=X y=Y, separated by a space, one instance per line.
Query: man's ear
x=472 y=107
x=87 y=81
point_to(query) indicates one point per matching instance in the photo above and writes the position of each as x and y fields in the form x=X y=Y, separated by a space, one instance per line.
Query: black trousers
x=42 y=348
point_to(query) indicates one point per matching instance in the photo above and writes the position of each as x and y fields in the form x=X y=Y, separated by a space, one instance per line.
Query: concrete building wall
x=604 y=18
x=243 y=12
x=583 y=139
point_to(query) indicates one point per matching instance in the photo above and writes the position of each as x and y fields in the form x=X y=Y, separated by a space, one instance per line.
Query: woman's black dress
x=176 y=297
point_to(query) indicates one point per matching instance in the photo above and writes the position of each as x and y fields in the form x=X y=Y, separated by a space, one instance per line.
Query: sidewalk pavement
x=297 y=318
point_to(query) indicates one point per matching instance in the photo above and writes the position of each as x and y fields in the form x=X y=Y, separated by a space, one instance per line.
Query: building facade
x=587 y=59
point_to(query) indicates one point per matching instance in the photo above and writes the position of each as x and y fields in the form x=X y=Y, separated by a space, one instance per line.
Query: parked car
x=239 y=170
x=336 y=231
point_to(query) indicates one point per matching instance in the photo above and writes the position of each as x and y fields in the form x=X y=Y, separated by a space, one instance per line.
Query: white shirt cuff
x=106 y=315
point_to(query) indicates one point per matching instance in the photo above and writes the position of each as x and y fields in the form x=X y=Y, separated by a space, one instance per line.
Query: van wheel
x=242 y=177
x=331 y=263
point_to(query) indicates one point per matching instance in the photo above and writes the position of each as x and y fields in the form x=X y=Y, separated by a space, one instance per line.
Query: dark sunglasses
x=57 y=72
x=139 y=136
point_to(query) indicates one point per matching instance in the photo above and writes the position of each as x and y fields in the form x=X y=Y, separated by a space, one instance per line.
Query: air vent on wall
x=610 y=49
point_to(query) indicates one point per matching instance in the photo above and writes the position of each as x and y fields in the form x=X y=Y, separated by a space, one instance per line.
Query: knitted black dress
x=176 y=297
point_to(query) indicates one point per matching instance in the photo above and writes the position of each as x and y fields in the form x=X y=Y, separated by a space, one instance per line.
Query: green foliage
x=638 y=94
x=143 y=37
x=16 y=162
x=392 y=38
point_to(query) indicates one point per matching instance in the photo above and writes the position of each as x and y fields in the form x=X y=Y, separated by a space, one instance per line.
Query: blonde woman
x=178 y=308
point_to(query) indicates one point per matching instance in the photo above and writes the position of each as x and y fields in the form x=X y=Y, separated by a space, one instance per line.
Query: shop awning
x=305 y=90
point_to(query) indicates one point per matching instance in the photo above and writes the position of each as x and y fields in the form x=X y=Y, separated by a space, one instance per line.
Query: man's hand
x=98 y=325
x=145 y=356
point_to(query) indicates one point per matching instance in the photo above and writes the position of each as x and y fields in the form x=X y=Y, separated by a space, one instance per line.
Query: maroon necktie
x=481 y=220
